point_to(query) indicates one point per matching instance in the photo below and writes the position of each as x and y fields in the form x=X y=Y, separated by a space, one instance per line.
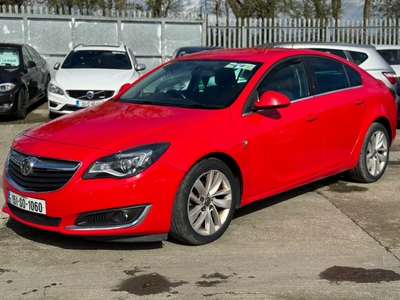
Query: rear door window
x=330 y=74
x=354 y=77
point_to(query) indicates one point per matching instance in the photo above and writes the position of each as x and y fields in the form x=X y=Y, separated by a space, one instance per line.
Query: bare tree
x=367 y=9
x=161 y=8
x=336 y=9
x=385 y=8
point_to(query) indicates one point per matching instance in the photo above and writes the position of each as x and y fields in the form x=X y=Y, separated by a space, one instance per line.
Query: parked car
x=391 y=53
x=365 y=56
x=181 y=51
x=90 y=75
x=196 y=138
x=23 y=78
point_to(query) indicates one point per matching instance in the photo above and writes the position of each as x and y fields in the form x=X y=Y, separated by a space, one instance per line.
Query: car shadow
x=73 y=242
x=34 y=115
x=79 y=243
x=273 y=200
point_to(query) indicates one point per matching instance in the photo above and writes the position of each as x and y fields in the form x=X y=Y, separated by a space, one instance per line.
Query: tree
x=161 y=8
x=385 y=8
x=367 y=9
x=12 y=2
x=336 y=9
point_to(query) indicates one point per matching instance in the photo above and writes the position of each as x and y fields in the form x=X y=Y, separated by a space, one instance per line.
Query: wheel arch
x=233 y=166
x=385 y=122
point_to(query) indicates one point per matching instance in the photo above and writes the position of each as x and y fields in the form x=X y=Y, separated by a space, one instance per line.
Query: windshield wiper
x=199 y=105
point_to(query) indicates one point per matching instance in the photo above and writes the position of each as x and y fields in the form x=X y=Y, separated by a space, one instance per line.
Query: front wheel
x=374 y=155
x=22 y=103
x=205 y=203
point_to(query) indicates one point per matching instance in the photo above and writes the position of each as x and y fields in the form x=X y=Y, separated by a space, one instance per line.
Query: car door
x=31 y=73
x=284 y=143
x=343 y=110
x=41 y=67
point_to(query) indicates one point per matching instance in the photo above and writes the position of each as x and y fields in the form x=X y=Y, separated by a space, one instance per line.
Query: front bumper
x=80 y=207
x=8 y=103
x=62 y=104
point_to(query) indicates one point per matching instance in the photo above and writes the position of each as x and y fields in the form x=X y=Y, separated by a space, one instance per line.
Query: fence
x=152 y=39
x=251 y=32
x=54 y=33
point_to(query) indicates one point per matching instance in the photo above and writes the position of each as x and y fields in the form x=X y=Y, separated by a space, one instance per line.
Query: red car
x=177 y=151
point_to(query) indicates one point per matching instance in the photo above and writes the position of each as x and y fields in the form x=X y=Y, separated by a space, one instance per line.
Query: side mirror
x=31 y=64
x=57 y=66
x=269 y=100
x=140 y=67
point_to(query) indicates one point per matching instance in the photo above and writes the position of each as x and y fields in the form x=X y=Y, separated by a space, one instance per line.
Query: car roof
x=330 y=45
x=387 y=47
x=374 y=62
x=100 y=47
x=255 y=54
x=12 y=45
x=193 y=48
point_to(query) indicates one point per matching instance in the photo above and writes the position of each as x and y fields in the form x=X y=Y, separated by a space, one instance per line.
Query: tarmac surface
x=331 y=239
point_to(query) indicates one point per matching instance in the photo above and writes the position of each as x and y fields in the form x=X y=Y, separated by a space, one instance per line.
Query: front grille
x=97 y=95
x=44 y=174
x=34 y=218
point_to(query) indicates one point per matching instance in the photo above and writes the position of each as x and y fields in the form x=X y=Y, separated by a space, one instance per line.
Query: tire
x=205 y=203
x=374 y=155
x=22 y=103
x=45 y=88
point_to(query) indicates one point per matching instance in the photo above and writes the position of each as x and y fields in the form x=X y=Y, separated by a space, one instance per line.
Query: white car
x=391 y=53
x=90 y=75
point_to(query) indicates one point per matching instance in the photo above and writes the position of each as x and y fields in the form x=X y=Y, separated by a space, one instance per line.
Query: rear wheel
x=22 y=103
x=205 y=203
x=374 y=155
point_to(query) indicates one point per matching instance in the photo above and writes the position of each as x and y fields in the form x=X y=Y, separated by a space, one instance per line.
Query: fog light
x=5 y=106
x=120 y=217
x=116 y=217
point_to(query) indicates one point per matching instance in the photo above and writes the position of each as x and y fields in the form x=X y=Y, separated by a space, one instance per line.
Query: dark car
x=23 y=79
x=192 y=49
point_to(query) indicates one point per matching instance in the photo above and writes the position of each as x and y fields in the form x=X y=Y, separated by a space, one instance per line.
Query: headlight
x=126 y=163
x=55 y=89
x=5 y=87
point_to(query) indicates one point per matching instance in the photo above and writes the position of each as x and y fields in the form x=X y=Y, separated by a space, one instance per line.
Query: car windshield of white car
x=9 y=59
x=97 y=59
x=193 y=83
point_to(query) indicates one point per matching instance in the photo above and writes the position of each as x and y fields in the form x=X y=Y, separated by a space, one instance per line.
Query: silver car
x=391 y=53
x=365 y=56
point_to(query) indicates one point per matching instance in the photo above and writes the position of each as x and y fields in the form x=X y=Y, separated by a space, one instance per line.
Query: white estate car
x=90 y=75
x=391 y=53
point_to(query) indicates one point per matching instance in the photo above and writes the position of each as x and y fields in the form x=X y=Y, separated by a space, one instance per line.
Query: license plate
x=81 y=103
x=26 y=203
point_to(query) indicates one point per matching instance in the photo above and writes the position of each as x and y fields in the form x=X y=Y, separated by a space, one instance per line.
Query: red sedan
x=176 y=152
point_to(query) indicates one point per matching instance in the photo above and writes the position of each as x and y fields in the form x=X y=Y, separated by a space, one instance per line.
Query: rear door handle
x=359 y=101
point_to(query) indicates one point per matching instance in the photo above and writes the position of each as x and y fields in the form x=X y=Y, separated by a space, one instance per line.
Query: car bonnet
x=115 y=126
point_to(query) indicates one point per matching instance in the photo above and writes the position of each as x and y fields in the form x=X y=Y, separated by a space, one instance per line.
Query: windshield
x=97 y=59
x=193 y=83
x=9 y=59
